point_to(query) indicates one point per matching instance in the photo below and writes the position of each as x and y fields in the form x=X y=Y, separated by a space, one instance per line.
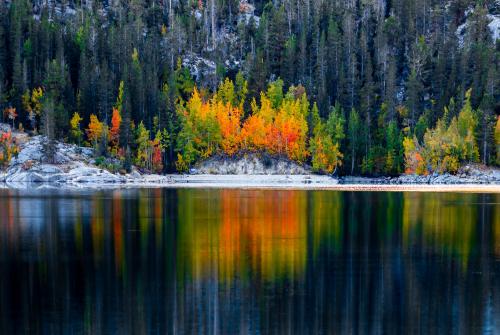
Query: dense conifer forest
x=374 y=87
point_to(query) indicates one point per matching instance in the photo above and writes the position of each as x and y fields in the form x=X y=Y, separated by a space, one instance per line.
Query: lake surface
x=160 y=261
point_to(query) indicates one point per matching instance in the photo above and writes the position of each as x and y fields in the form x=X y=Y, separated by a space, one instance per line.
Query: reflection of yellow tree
x=196 y=237
x=234 y=230
x=496 y=227
x=446 y=222
x=144 y=218
x=326 y=209
x=97 y=227
x=276 y=230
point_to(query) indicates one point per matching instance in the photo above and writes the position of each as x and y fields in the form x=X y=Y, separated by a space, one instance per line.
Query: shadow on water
x=159 y=261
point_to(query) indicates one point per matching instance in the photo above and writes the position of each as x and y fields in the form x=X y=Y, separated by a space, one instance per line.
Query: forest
x=371 y=87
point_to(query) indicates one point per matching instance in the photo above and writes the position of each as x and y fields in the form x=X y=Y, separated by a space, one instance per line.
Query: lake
x=177 y=261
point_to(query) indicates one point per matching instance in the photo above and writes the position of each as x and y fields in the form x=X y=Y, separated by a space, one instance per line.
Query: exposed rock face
x=247 y=14
x=493 y=25
x=203 y=70
x=72 y=165
x=250 y=164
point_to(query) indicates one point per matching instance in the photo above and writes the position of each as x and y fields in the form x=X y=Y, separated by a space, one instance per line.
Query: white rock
x=134 y=175
x=251 y=164
x=494 y=26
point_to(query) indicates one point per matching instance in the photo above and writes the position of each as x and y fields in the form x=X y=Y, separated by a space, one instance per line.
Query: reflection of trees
x=446 y=222
x=259 y=231
x=449 y=240
x=230 y=261
x=326 y=220
x=496 y=236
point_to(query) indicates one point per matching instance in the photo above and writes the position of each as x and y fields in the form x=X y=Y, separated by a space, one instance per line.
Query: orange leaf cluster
x=7 y=148
x=114 y=131
x=229 y=120
x=216 y=125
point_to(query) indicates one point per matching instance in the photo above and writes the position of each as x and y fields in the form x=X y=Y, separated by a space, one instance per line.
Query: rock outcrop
x=493 y=25
x=250 y=164
x=202 y=69
x=72 y=165
x=247 y=14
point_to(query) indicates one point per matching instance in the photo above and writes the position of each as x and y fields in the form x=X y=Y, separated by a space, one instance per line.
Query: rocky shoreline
x=87 y=177
x=75 y=167
x=72 y=165
x=470 y=176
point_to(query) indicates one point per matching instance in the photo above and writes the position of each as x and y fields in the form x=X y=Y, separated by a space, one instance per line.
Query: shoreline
x=256 y=182
x=75 y=167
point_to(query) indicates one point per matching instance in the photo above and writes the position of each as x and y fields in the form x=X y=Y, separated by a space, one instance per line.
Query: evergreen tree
x=354 y=137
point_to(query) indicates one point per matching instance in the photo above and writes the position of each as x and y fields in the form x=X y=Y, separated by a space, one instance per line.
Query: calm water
x=245 y=261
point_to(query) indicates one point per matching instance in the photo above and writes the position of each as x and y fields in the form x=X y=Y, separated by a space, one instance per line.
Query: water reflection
x=248 y=261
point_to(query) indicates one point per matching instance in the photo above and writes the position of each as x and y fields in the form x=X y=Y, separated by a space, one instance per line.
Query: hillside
x=379 y=82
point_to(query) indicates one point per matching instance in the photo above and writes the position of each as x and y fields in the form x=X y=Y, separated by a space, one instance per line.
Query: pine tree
x=48 y=128
x=3 y=53
x=354 y=137
x=497 y=140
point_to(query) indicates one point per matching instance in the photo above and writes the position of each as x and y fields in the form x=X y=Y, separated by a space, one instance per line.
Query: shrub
x=8 y=149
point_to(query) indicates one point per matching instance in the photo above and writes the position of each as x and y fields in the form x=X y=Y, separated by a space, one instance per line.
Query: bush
x=8 y=149
x=100 y=161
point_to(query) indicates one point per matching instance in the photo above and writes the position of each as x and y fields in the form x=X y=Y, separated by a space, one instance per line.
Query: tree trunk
x=352 y=160
x=212 y=14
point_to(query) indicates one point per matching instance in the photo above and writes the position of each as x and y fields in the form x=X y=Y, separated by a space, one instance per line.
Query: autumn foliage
x=445 y=146
x=8 y=148
x=277 y=125
x=114 y=131
x=94 y=131
x=75 y=131
x=149 y=152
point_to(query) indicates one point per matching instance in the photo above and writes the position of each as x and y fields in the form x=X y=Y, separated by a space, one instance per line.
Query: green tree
x=497 y=140
x=354 y=137
x=47 y=128
x=394 y=159
x=326 y=155
x=335 y=124
x=76 y=133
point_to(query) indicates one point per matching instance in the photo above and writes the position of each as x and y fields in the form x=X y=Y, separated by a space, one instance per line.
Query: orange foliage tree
x=253 y=133
x=229 y=120
x=114 y=131
x=8 y=148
